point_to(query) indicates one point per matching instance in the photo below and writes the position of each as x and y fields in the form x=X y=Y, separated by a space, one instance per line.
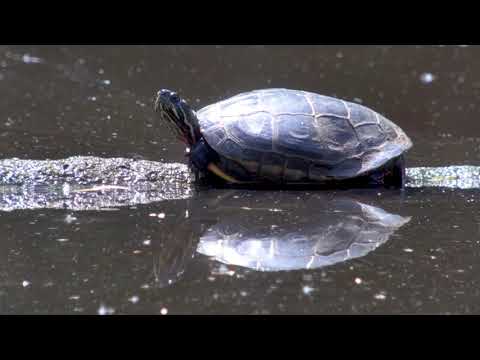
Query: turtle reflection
x=312 y=232
x=276 y=231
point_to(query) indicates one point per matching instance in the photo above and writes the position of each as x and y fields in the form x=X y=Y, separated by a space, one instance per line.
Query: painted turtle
x=284 y=136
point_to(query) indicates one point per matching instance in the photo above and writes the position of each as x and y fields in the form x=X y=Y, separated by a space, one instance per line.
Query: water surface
x=60 y=101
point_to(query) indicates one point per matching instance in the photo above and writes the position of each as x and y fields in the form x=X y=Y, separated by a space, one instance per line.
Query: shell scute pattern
x=361 y=115
x=255 y=130
x=242 y=104
x=216 y=136
x=325 y=140
x=391 y=130
x=208 y=118
x=273 y=101
x=371 y=135
x=293 y=135
x=284 y=102
x=325 y=105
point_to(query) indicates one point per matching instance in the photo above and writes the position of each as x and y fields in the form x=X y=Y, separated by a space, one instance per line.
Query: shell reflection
x=313 y=233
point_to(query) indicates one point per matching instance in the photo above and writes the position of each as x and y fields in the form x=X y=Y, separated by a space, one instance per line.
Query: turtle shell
x=298 y=136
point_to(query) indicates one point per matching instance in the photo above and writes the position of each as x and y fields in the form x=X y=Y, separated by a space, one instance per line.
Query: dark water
x=240 y=252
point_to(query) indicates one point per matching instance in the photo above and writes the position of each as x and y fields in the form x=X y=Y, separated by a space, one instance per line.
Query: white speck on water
x=164 y=311
x=152 y=214
x=108 y=117
x=243 y=293
x=187 y=215
x=145 y=286
x=62 y=240
x=408 y=250
x=134 y=299
x=106 y=82
x=137 y=251
x=161 y=216
x=92 y=98
x=433 y=257
x=307 y=289
x=74 y=297
x=105 y=310
x=146 y=242
x=358 y=281
x=25 y=283
x=27 y=59
x=380 y=296
x=211 y=278
x=358 y=100
x=215 y=296
x=339 y=55
x=101 y=71
x=427 y=78
x=69 y=219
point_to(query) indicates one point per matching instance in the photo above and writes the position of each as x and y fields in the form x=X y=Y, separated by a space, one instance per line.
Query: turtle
x=286 y=137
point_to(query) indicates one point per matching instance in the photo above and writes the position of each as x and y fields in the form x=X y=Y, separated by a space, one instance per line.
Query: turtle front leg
x=217 y=171
x=204 y=158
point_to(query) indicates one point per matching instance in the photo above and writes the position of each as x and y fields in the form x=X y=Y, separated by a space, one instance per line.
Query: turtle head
x=178 y=115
